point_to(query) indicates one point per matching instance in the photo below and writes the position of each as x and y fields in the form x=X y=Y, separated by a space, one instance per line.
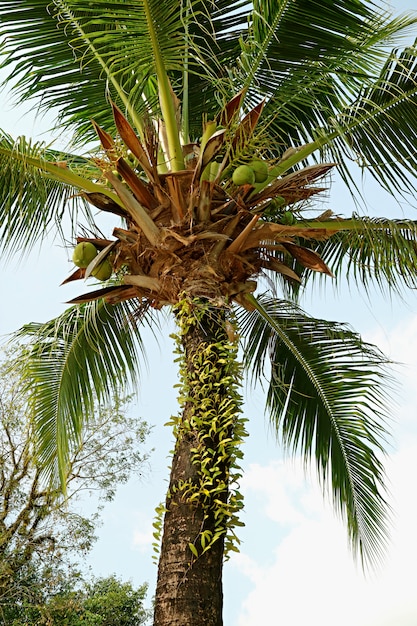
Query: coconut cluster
x=248 y=174
x=84 y=254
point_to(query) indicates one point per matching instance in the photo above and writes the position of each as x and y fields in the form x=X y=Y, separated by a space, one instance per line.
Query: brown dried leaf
x=231 y=108
x=281 y=268
x=144 y=282
x=247 y=125
x=308 y=258
x=128 y=236
x=106 y=140
x=99 y=293
x=238 y=243
x=135 y=209
x=175 y=193
x=121 y=293
x=104 y=203
x=269 y=232
x=204 y=202
x=77 y=275
x=98 y=243
x=139 y=188
x=131 y=140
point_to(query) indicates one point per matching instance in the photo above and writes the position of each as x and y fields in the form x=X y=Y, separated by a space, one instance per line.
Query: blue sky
x=294 y=566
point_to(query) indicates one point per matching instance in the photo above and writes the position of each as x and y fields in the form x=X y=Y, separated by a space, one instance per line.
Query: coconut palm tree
x=218 y=124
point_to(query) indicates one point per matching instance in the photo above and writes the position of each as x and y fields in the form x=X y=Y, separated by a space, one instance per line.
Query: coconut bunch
x=208 y=230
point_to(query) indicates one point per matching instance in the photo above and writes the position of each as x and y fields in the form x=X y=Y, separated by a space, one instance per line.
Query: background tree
x=211 y=153
x=34 y=584
x=115 y=603
x=70 y=599
x=40 y=531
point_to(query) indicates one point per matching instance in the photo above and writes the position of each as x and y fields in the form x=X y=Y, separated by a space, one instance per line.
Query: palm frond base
x=197 y=231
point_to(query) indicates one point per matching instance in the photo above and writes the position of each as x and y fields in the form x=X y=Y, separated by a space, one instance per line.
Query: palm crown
x=217 y=126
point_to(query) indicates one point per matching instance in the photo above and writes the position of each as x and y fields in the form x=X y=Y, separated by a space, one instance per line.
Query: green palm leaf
x=372 y=252
x=367 y=251
x=381 y=126
x=324 y=73
x=295 y=52
x=79 y=50
x=288 y=38
x=52 y=70
x=36 y=193
x=71 y=362
x=327 y=399
x=214 y=31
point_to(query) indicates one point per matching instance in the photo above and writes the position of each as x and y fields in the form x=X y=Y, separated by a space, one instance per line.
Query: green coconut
x=261 y=170
x=103 y=271
x=243 y=175
x=278 y=201
x=288 y=218
x=84 y=253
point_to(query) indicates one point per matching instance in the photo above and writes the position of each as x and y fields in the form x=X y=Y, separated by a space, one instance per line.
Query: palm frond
x=285 y=36
x=37 y=189
x=372 y=252
x=329 y=81
x=214 y=30
x=298 y=51
x=327 y=399
x=71 y=362
x=82 y=52
x=377 y=131
x=381 y=126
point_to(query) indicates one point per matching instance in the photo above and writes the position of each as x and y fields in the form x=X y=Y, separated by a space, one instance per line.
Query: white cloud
x=400 y=345
x=282 y=485
x=312 y=578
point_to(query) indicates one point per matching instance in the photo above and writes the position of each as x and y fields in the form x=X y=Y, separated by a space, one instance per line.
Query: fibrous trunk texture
x=189 y=587
x=188 y=593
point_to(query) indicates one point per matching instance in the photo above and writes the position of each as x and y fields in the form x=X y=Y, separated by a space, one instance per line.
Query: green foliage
x=157 y=524
x=70 y=600
x=33 y=199
x=69 y=364
x=24 y=604
x=210 y=378
x=41 y=532
x=327 y=397
x=114 y=602
x=376 y=252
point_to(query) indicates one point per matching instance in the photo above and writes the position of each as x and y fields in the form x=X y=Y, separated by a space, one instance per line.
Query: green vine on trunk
x=210 y=380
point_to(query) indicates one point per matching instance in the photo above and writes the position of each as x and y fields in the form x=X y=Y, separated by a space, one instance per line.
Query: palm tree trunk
x=189 y=591
x=199 y=505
